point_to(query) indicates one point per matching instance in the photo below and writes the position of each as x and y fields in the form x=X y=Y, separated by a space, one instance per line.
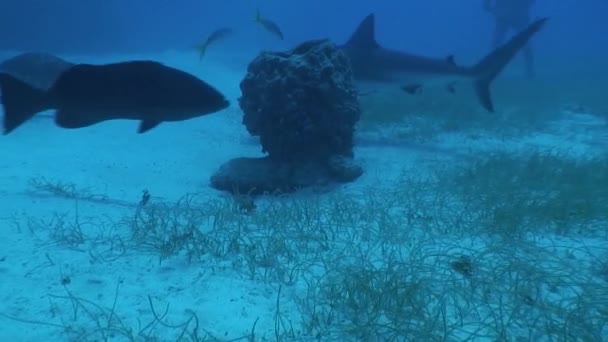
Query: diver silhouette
x=511 y=15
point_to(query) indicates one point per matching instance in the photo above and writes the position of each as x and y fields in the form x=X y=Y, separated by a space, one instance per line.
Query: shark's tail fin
x=488 y=68
x=20 y=101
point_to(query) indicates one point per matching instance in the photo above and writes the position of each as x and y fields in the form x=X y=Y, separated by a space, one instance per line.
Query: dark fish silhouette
x=372 y=62
x=37 y=69
x=87 y=94
x=216 y=35
x=268 y=25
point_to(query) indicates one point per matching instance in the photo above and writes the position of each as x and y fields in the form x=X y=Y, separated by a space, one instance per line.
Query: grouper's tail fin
x=20 y=101
x=490 y=66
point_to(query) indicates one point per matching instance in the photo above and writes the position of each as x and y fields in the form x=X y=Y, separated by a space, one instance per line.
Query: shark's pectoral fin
x=412 y=89
x=450 y=59
x=147 y=125
x=482 y=88
x=451 y=87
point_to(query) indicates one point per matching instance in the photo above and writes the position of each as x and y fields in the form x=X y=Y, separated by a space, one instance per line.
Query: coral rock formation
x=303 y=106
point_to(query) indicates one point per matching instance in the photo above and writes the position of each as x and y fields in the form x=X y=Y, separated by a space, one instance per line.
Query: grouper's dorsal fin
x=365 y=34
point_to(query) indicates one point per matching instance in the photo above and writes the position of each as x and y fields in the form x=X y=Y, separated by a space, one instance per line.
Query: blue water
x=577 y=28
x=385 y=258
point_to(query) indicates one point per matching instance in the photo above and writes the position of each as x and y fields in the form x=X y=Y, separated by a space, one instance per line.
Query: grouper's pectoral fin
x=70 y=118
x=146 y=125
x=412 y=89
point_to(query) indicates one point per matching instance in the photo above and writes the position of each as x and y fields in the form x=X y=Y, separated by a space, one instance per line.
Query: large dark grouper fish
x=372 y=62
x=85 y=94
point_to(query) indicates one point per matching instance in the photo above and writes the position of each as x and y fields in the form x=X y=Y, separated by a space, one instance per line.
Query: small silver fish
x=269 y=25
x=216 y=35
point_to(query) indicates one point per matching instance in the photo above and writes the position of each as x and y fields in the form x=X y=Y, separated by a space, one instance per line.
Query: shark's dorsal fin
x=365 y=34
x=450 y=59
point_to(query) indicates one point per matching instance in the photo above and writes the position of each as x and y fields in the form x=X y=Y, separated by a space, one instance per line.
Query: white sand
x=170 y=161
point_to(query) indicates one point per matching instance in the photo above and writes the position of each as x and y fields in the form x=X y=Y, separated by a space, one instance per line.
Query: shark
x=372 y=62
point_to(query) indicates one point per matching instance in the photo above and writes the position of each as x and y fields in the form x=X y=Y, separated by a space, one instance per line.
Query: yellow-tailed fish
x=216 y=35
x=268 y=25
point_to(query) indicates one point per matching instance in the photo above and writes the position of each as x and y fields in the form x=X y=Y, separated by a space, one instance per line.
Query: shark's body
x=372 y=62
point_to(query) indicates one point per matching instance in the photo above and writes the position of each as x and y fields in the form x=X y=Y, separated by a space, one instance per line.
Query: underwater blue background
x=577 y=30
x=465 y=225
